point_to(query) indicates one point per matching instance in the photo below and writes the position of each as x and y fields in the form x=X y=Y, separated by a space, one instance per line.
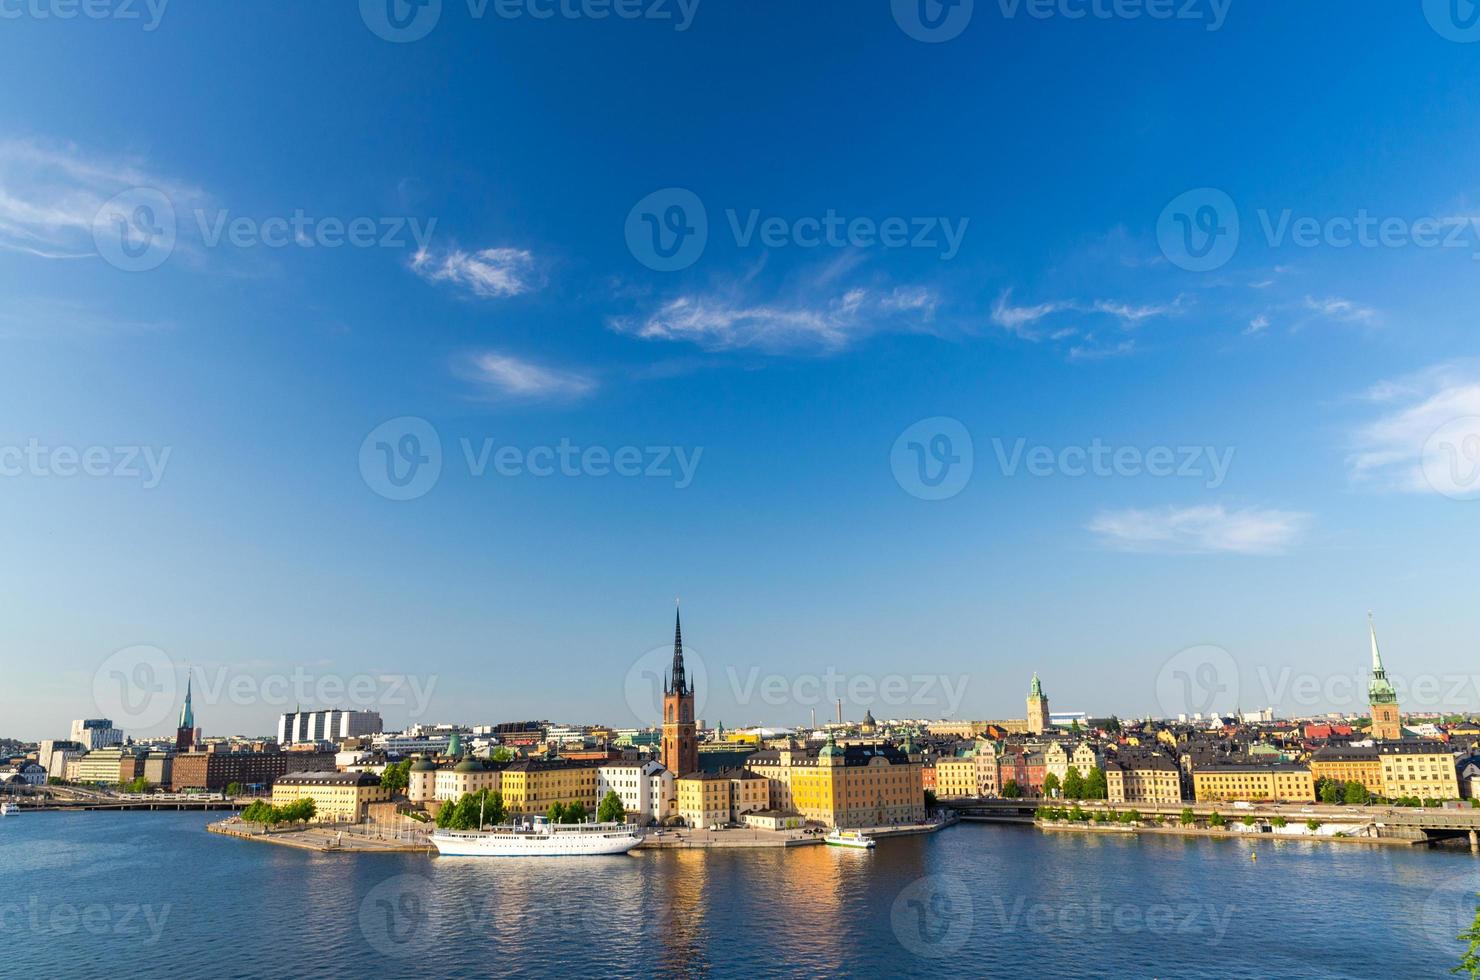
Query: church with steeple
x=185 y=734
x=1037 y=707
x=680 y=748
x=1386 y=719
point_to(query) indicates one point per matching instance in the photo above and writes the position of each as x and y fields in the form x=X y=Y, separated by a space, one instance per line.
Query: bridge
x=1420 y=825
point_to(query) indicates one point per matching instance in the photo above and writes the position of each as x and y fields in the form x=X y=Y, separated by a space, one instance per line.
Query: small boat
x=848 y=838
x=7 y=808
x=539 y=838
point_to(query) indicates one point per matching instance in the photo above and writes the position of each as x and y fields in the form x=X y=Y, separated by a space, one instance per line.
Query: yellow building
x=1143 y=778
x=530 y=786
x=750 y=792
x=1345 y=764
x=468 y=776
x=704 y=799
x=337 y=796
x=1253 y=782
x=955 y=776
x=853 y=786
x=1414 y=767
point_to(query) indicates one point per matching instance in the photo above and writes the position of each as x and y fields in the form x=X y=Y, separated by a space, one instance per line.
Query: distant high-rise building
x=680 y=752
x=1038 y=720
x=96 y=733
x=327 y=725
x=1381 y=696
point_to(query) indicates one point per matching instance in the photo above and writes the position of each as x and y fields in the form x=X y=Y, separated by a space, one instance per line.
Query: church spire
x=1377 y=670
x=677 y=681
x=1379 y=689
x=187 y=716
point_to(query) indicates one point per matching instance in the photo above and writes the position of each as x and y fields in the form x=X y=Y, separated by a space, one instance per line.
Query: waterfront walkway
x=353 y=839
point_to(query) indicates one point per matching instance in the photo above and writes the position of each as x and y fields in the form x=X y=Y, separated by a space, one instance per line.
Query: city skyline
x=953 y=386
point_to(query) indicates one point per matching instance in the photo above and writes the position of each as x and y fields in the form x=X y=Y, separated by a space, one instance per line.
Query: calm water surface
x=153 y=894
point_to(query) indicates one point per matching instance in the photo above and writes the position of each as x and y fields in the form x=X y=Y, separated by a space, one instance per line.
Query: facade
x=1085 y=758
x=1381 y=696
x=1414 y=767
x=1038 y=721
x=1143 y=778
x=1253 y=782
x=451 y=783
x=985 y=756
x=529 y=786
x=96 y=733
x=110 y=766
x=158 y=768
x=856 y=786
x=215 y=770
x=1056 y=761
x=328 y=725
x=956 y=777
x=337 y=796
x=773 y=820
x=1346 y=764
x=680 y=752
x=704 y=799
x=647 y=788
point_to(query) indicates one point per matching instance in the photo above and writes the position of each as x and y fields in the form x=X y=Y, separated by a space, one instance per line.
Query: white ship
x=539 y=839
x=848 y=838
x=6 y=809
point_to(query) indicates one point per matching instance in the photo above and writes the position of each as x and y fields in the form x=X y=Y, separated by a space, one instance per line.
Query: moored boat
x=539 y=839
x=848 y=838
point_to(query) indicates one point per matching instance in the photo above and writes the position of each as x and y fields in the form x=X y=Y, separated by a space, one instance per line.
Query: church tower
x=185 y=731
x=1037 y=707
x=680 y=736
x=1381 y=696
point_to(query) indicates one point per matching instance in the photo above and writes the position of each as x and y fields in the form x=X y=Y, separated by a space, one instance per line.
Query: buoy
x=1253 y=855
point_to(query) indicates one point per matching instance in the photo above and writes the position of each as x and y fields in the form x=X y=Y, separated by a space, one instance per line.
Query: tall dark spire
x=677 y=683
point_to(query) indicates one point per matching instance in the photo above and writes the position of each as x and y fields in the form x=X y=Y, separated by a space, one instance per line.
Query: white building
x=25 y=774
x=405 y=744
x=96 y=733
x=647 y=789
x=328 y=725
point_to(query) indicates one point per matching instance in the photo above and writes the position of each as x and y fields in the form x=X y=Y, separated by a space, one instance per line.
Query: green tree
x=1356 y=792
x=138 y=785
x=497 y=811
x=1073 y=785
x=396 y=777
x=502 y=754
x=1248 y=821
x=556 y=813
x=1113 y=725
x=233 y=789
x=930 y=800
x=1076 y=813
x=1094 y=785
x=1074 y=728
x=1278 y=821
x=1217 y=820
x=1312 y=824
x=575 y=812
x=1470 y=962
x=611 y=809
x=1011 y=790
x=1051 y=784
x=1188 y=817
x=1330 y=792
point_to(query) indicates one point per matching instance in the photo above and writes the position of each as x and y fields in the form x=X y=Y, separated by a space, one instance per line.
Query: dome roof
x=423 y=765
x=468 y=765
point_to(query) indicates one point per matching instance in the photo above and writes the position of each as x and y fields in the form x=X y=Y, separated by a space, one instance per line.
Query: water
x=152 y=894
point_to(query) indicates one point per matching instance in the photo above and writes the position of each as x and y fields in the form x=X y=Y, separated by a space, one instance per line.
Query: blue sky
x=1041 y=166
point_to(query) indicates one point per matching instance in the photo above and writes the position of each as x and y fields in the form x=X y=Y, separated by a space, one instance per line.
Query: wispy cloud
x=1022 y=320
x=1200 y=530
x=50 y=196
x=1087 y=352
x=801 y=320
x=1257 y=325
x=1402 y=448
x=1342 y=310
x=505 y=375
x=492 y=273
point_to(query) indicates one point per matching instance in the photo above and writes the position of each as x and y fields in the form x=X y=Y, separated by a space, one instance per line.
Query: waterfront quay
x=1413 y=826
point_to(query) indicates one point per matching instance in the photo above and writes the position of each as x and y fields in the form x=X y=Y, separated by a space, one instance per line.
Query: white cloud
x=513 y=377
x=1200 y=530
x=1342 y=310
x=1021 y=319
x=1404 y=449
x=1082 y=352
x=1257 y=325
x=719 y=321
x=492 y=273
x=50 y=196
